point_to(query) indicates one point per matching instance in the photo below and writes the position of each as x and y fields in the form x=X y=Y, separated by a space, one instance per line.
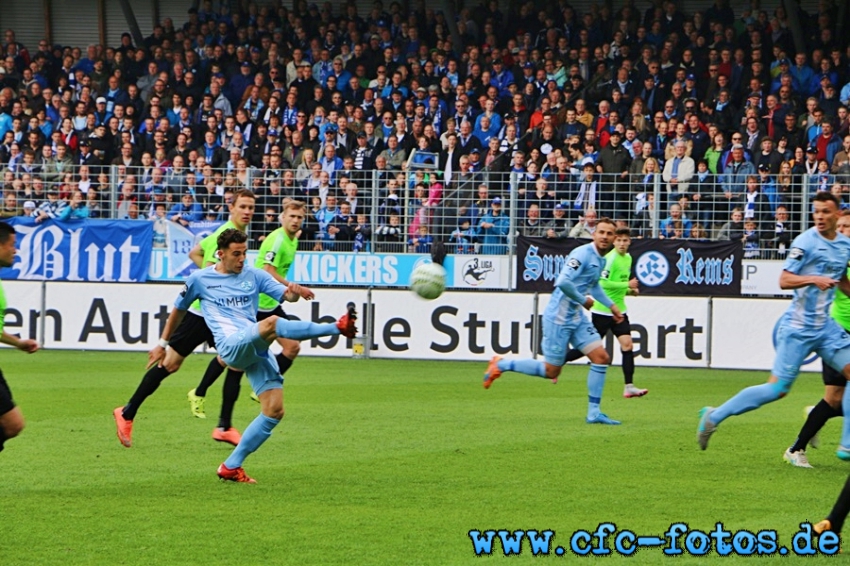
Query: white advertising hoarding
x=760 y=277
x=742 y=334
x=457 y=326
x=23 y=311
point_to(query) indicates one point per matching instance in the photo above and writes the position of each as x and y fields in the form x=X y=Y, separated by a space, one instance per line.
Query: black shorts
x=832 y=376
x=6 y=402
x=278 y=311
x=603 y=323
x=192 y=332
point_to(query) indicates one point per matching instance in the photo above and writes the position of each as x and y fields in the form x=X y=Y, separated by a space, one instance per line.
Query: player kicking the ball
x=564 y=323
x=816 y=265
x=229 y=294
x=617 y=284
x=275 y=256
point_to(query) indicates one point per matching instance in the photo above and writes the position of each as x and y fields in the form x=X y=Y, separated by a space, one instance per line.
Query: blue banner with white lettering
x=90 y=250
x=662 y=267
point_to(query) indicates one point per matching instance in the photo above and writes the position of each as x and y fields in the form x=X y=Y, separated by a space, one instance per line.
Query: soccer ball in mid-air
x=428 y=280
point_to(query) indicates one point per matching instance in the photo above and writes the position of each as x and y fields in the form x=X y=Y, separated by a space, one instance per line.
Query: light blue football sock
x=302 y=330
x=747 y=400
x=595 y=385
x=527 y=366
x=257 y=432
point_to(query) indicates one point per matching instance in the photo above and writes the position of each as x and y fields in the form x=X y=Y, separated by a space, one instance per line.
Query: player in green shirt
x=167 y=356
x=277 y=253
x=11 y=418
x=617 y=282
x=834 y=382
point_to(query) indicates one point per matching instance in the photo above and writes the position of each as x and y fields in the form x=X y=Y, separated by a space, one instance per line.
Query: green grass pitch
x=389 y=462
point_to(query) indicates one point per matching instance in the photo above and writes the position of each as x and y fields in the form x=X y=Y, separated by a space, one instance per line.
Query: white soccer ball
x=428 y=280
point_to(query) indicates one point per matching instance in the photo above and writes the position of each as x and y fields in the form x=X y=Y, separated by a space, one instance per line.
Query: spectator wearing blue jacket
x=76 y=210
x=501 y=78
x=493 y=230
x=187 y=210
x=802 y=73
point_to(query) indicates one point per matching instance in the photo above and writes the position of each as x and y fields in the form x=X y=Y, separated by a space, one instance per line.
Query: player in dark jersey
x=11 y=418
x=167 y=356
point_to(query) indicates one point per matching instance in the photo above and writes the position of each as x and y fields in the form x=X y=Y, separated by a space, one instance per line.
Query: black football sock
x=3 y=438
x=574 y=354
x=841 y=508
x=628 y=365
x=214 y=370
x=814 y=422
x=150 y=383
x=283 y=363
x=229 y=395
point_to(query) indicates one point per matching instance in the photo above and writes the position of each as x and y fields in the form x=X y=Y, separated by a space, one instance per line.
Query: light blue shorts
x=793 y=346
x=558 y=337
x=246 y=350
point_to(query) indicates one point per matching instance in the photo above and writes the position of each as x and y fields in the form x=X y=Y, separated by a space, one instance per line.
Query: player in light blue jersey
x=816 y=265
x=229 y=294
x=564 y=323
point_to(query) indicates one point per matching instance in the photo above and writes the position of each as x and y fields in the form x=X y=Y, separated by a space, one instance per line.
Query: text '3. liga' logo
x=475 y=271
x=652 y=269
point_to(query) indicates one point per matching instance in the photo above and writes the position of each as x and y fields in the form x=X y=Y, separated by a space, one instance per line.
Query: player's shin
x=814 y=422
x=526 y=366
x=212 y=373
x=150 y=383
x=840 y=509
x=302 y=330
x=749 y=399
x=595 y=386
x=257 y=432
x=229 y=395
x=628 y=365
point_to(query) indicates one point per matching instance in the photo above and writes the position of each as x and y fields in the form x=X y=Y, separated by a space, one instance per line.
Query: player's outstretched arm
x=24 y=345
x=294 y=290
x=790 y=281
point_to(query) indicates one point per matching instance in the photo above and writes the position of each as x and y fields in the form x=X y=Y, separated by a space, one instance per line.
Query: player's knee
x=13 y=427
x=599 y=356
x=275 y=413
x=781 y=387
x=267 y=325
x=552 y=371
x=172 y=365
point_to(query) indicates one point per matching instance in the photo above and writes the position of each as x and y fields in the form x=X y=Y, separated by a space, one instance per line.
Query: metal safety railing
x=476 y=209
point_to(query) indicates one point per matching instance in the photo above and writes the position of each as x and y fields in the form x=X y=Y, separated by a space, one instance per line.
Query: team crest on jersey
x=270 y=256
x=574 y=263
x=796 y=253
x=246 y=285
